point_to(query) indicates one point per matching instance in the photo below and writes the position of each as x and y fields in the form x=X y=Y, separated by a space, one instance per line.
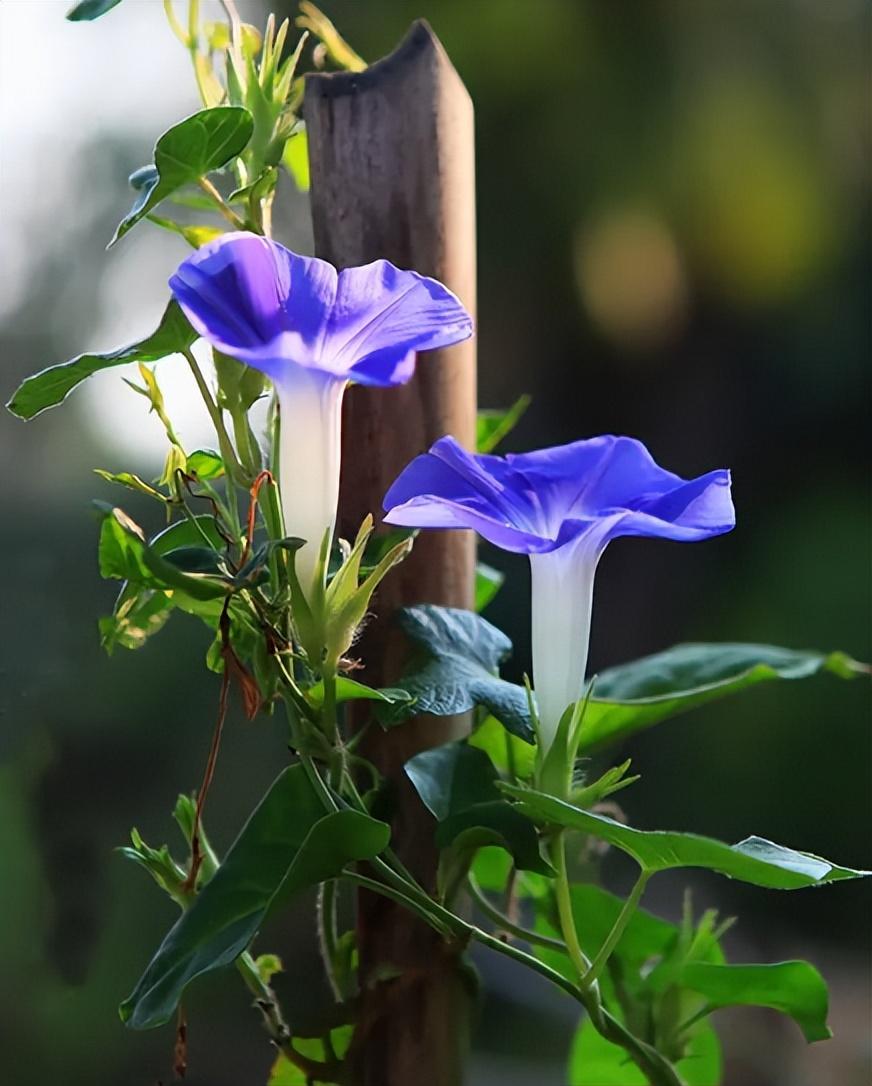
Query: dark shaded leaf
x=451 y=778
x=464 y=653
x=637 y=695
x=456 y=783
x=495 y=823
x=88 y=10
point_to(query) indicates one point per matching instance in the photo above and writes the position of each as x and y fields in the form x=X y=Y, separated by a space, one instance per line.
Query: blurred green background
x=674 y=243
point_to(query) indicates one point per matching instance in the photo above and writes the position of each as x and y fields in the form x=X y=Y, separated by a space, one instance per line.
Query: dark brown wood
x=392 y=166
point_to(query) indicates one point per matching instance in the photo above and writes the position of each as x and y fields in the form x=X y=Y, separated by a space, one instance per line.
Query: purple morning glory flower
x=561 y=506
x=312 y=329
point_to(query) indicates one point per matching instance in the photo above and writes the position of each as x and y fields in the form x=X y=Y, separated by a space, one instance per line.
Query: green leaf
x=88 y=10
x=508 y=753
x=296 y=158
x=195 y=235
x=197 y=560
x=188 y=533
x=594 y=1061
x=488 y=581
x=456 y=783
x=287 y=845
x=637 y=695
x=51 y=386
x=131 y=482
x=794 y=988
x=495 y=823
x=464 y=654
x=451 y=778
x=205 y=464
x=188 y=151
x=138 y=614
x=125 y=555
x=351 y=690
x=492 y=426
x=285 y=1073
x=753 y=860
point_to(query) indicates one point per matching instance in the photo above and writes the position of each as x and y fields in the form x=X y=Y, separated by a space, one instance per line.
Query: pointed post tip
x=419 y=43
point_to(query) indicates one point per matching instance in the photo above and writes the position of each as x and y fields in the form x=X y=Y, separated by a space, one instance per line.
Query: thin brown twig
x=196 y=854
x=264 y=477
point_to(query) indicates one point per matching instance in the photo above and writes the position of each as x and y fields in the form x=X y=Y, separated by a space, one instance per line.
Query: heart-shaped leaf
x=186 y=152
x=451 y=778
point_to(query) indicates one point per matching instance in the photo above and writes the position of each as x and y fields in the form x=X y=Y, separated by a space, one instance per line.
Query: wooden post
x=392 y=166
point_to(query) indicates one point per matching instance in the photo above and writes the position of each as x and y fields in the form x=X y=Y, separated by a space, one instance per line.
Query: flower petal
x=256 y=300
x=537 y=502
x=382 y=314
x=447 y=488
x=698 y=509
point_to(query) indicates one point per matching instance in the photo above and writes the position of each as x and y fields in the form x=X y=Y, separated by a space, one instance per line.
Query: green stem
x=228 y=455
x=564 y=908
x=392 y=858
x=175 y=25
x=328 y=936
x=277 y=1027
x=246 y=443
x=396 y=895
x=216 y=197
x=507 y=925
x=195 y=523
x=618 y=928
x=328 y=709
x=655 y=1066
